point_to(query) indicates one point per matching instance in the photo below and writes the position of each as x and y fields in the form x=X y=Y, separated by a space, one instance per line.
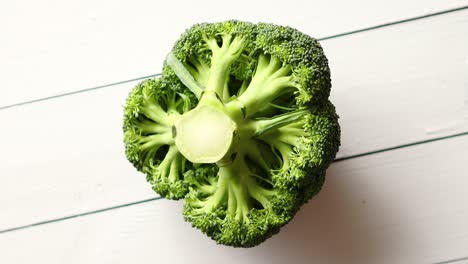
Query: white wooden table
x=398 y=192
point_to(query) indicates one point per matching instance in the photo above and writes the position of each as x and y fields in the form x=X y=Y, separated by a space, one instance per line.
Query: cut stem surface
x=204 y=135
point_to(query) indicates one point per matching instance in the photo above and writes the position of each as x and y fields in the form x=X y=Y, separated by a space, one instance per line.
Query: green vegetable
x=239 y=124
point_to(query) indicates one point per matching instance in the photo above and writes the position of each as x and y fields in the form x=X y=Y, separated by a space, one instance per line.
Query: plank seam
x=452 y=260
x=79 y=215
x=401 y=146
x=352 y=32
x=395 y=22
x=158 y=198
x=78 y=91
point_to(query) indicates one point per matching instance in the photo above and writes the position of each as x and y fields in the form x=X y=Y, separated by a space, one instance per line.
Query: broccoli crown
x=239 y=124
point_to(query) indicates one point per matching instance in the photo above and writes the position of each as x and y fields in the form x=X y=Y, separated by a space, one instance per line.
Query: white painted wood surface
x=402 y=206
x=49 y=47
x=401 y=84
x=392 y=86
x=68 y=157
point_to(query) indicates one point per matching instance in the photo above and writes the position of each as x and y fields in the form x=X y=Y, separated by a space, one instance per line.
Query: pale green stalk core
x=204 y=134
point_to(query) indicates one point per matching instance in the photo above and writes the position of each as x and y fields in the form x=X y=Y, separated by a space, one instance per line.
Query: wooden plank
x=65 y=156
x=401 y=84
x=404 y=206
x=463 y=260
x=51 y=47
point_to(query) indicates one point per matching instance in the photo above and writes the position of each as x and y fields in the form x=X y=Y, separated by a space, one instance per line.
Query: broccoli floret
x=150 y=113
x=239 y=124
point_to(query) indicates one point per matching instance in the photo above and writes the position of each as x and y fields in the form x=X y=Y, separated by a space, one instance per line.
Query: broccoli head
x=239 y=125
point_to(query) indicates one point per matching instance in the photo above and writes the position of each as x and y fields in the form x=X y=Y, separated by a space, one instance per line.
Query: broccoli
x=239 y=125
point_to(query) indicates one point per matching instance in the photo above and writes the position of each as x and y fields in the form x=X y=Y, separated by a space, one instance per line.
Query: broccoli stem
x=200 y=70
x=169 y=167
x=218 y=74
x=271 y=80
x=219 y=196
x=155 y=141
x=204 y=134
x=284 y=150
x=235 y=189
x=156 y=113
x=282 y=143
x=220 y=128
x=149 y=145
x=218 y=77
x=261 y=126
x=221 y=60
x=260 y=194
x=149 y=127
x=235 y=176
x=184 y=75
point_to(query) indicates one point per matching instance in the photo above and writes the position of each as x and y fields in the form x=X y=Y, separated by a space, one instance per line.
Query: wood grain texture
x=403 y=206
x=50 y=47
x=65 y=156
